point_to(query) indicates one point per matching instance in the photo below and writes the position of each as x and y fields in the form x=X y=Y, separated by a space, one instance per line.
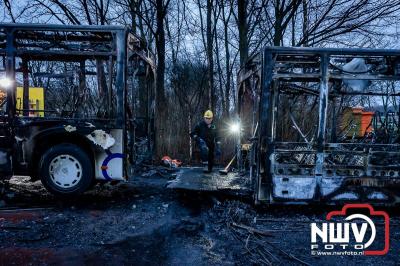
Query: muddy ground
x=144 y=223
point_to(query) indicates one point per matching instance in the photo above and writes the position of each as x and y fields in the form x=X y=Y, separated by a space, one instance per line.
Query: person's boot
x=205 y=166
x=209 y=169
x=210 y=166
x=206 y=169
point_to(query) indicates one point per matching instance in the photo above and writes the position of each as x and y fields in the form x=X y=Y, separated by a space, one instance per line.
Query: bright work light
x=5 y=82
x=235 y=128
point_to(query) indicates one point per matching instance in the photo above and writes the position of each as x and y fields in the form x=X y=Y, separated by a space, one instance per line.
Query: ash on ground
x=143 y=222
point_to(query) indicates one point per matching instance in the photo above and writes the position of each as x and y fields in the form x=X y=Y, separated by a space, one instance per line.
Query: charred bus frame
x=98 y=146
x=321 y=168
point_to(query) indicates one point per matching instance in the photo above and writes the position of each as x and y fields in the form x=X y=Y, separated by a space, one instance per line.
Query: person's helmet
x=208 y=114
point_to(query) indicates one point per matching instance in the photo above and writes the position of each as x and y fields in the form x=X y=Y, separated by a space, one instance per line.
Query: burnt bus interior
x=321 y=125
x=90 y=77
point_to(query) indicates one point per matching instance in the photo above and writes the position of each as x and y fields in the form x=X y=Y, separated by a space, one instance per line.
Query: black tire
x=78 y=154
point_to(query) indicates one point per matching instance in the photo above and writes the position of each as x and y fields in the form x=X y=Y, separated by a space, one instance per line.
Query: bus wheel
x=65 y=170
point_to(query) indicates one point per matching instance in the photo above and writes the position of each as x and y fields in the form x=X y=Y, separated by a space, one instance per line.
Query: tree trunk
x=278 y=34
x=228 y=72
x=190 y=139
x=305 y=22
x=227 y=66
x=210 y=56
x=219 y=69
x=133 y=7
x=161 y=103
x=102 y=86
x=294 y=30
x=243 y=31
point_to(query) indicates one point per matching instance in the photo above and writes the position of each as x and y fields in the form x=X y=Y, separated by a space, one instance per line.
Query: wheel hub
x=65 y=171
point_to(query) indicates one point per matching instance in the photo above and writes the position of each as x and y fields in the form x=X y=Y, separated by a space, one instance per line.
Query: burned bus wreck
x=82 y=125
x=321 y=125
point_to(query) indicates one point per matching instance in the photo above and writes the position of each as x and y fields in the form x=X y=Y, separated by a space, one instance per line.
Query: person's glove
x=202 y=144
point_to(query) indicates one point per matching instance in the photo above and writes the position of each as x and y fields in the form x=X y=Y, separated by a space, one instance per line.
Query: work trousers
x=207 y=154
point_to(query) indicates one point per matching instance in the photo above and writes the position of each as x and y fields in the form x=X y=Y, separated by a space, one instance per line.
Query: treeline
x=199 y=45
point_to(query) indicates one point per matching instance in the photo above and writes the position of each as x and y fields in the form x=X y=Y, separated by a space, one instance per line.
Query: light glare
x=235 y=128
x=5 y=83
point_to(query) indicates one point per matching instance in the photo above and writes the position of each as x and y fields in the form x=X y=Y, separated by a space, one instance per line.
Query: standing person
x=206 y=136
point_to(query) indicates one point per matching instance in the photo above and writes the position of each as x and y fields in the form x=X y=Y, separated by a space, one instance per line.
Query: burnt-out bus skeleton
x=87 y=132
x=298 y=146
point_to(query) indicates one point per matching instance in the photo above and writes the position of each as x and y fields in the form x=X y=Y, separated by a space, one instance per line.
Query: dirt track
x=142 y=222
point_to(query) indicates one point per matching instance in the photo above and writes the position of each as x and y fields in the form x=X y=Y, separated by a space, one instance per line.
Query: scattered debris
x=190 y=225
x=251 y=229
x=239 y=220
x=89 y=124
x=161 y=171
x=150 y=173
x=168 y=162
x=193 y=178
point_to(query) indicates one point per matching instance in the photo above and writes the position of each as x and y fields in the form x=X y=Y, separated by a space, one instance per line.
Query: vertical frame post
x=265 y=137
x=323 y=102
x=25 y=74
x=10 y=74
x=121 y=76
x=322 y=120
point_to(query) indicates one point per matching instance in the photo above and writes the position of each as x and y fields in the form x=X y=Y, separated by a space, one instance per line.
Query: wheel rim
x=65 y=171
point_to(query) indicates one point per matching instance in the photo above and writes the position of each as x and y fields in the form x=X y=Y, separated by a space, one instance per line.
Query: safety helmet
x=208 y=114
